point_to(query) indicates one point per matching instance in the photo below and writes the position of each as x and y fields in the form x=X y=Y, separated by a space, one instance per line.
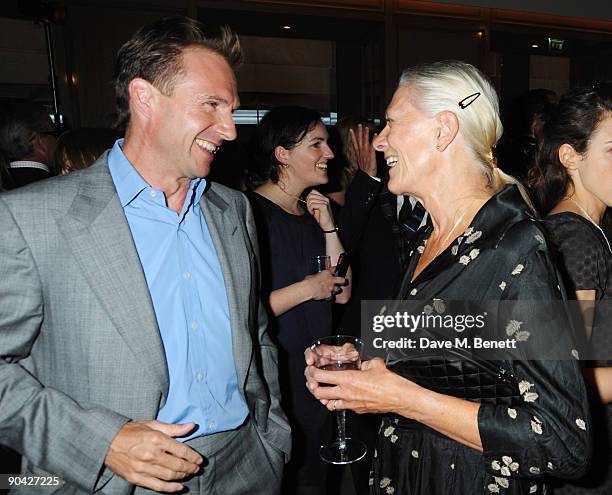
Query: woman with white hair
x=457 y=422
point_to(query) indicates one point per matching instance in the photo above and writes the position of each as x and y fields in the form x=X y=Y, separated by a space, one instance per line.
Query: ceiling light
x=535 y=45
x=286 y=27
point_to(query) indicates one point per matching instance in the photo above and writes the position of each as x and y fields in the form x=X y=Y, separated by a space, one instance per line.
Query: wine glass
x=339 y=353
x=319 y=264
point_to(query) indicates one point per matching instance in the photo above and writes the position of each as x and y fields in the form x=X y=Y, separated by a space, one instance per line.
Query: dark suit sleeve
x=278 y=433
x=360 y=198
x=41 y=423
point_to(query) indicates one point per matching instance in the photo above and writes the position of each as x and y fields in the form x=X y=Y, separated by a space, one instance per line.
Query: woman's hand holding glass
x=372 y=389
x=323 y=285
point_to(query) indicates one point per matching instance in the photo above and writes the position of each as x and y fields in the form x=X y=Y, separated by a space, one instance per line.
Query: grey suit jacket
x=80 y=350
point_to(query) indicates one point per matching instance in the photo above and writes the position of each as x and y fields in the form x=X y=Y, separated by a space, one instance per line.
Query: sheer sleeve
x=579 y=250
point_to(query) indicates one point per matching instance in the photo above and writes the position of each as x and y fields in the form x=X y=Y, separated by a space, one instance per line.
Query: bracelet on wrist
x=335 y=229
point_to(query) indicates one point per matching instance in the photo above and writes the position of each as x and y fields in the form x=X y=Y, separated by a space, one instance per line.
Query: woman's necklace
x=583 y=210
x=443 y=244
x=300 y=200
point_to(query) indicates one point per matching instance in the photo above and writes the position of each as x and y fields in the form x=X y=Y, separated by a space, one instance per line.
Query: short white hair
x=443 y=86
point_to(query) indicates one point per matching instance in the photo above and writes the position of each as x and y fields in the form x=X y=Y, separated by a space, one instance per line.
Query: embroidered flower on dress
x=415 y=454
x=473 y=237
x=371 y=482
x=464 y=260
x=455 y=249
x=575 y=354
x=496 y=465
x=468 y=231
x=493 y=488
x=385 y=482
x=503 y=482
x=394 y=438
x=390 y=489
x=453 y=466
x=502 y=285
x=550 y=466
x=524 y=388
x=581 y=424
x=388 y=431
x=522 y=336
x=420 y=249
x=428 y=309
x=534 y=470
x=474 y=253
x=517 y=269
x=533 y=488
x=509 y=463
x=439 y=305
x=512 y=327
x=512 y=413
x=413 y=292
x=536 y=427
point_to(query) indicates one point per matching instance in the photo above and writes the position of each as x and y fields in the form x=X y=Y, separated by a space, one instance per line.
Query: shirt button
x=186 y=275
x=153 y=194
x=194 y=325
x=212 y=425
x=199 y=376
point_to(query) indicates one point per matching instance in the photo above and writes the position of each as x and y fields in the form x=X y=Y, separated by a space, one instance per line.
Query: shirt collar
x=129 y=183
x=28 y=164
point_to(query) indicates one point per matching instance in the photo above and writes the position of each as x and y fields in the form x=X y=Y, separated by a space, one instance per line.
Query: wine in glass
x=339 y=353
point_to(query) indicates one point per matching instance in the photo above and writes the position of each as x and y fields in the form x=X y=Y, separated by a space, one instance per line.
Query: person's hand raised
x=363 y=152
x=318 y=206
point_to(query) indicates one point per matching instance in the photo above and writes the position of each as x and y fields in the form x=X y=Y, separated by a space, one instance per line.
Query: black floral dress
x=539 y=425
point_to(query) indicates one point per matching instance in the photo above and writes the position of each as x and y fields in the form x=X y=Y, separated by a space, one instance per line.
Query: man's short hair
x=19 y=120
x=154 y=54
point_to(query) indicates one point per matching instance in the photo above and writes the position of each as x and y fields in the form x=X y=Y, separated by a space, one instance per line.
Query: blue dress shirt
x=186 y=283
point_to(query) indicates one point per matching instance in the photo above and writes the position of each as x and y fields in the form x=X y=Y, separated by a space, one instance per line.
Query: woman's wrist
x=413 y=405
x=331 y=230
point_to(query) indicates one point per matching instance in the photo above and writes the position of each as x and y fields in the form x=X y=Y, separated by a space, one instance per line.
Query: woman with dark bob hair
x=292 y=154
x=456 y=420
x=572 y=184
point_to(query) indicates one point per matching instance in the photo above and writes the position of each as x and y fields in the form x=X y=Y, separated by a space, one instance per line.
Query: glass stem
x=341 y=425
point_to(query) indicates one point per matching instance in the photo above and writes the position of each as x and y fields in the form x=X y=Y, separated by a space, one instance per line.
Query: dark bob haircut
x=155 y=54
x=282 y=126
x=572 y=121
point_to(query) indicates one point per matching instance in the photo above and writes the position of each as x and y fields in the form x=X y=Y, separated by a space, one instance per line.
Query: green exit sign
x=555 y=45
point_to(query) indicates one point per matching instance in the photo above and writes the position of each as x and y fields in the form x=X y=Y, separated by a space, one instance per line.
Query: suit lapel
x=228 y=239
x=97 y=231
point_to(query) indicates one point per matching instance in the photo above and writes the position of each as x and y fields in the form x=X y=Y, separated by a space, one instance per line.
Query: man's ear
x=448 y=127
x=142 y=95
x=568 y=156
x=282 y=155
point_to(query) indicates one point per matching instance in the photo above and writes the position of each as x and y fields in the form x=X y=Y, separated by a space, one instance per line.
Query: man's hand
x=146 y=454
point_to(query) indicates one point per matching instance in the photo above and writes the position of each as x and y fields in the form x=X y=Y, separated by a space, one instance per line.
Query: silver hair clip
x=468 y=100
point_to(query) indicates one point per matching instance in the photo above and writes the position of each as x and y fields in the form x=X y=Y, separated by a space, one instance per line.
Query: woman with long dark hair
x=572 y=186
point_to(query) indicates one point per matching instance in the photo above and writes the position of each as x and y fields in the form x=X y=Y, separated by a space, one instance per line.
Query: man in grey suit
x=133 y=345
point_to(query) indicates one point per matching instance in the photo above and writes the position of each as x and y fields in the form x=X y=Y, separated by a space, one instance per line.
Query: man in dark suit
x=27 y=142
x=377 y=229
x=134 y=352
